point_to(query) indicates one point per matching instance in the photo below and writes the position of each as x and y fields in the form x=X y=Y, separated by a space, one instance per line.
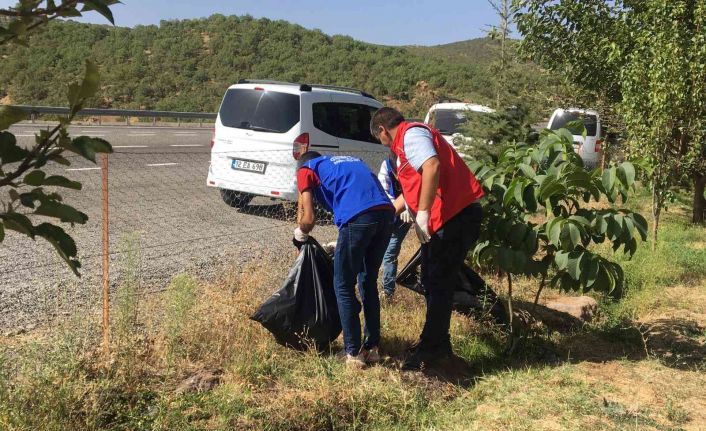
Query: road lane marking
x=83 y=169
x=186 y=145
x=129 y=146
x=141 y=134
x=162 y=164
x=24 y=136
x=185 y=134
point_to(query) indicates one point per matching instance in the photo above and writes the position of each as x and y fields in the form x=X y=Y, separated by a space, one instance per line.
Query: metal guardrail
x=35 y=111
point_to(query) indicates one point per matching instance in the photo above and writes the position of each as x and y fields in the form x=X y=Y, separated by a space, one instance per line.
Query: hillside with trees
x=186 y=65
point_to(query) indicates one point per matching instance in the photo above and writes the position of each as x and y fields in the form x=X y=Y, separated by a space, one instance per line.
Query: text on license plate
x=248 y=165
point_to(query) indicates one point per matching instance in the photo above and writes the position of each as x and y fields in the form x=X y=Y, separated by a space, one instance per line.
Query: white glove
x=423 y=224
x=300 y=236
x=406 y=217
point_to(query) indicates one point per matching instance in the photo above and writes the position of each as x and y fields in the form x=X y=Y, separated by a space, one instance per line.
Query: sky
x=388 y=22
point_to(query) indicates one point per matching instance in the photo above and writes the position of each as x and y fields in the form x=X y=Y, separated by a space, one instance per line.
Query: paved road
x=133 y=138
x=162 y=216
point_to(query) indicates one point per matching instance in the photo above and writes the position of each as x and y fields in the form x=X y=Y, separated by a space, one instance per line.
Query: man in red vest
x=443 y=194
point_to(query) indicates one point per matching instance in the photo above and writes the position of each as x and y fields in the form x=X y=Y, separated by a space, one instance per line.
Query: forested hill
x=187 y=65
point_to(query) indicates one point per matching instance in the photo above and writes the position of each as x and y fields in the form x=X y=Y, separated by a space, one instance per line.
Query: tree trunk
x=699 y=209
x=656 y=211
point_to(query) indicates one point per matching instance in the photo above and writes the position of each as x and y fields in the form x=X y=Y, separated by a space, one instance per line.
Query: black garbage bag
x=304 y=312
x=472 y=296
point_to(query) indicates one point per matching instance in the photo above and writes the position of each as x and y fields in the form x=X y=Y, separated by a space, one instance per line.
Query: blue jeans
x=389 y=261
x=361 y=245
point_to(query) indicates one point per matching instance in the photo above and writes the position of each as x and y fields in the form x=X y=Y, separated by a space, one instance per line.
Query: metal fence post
x=106 y=257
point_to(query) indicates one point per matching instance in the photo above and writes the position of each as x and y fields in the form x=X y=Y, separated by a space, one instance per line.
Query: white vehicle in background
x=264 y=126
x=449 y=118
x=589 y=148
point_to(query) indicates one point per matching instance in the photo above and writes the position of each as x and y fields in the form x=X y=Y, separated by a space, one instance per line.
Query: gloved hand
x=406 y=217
x=423 y=225
x=299 y=238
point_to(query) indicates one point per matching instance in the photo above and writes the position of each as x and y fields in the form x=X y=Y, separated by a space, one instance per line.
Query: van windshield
x=448 y=121
x=563 y=118
x=260 y=110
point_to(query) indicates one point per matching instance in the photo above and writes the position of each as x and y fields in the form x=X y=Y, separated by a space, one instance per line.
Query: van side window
x=344 y=120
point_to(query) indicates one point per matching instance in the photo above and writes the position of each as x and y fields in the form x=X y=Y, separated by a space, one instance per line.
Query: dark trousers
x=442 y=258
x=359 y=251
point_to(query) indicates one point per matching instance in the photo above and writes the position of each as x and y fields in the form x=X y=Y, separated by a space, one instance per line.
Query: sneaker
x=371 y=356
x=357 y=361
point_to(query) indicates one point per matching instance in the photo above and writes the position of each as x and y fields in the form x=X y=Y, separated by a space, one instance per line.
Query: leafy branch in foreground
x=28 y=15
x=542 y=217
x=27 y=190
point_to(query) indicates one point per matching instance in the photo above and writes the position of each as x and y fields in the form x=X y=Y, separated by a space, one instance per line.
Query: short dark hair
x=389 y=118
x=307 y=157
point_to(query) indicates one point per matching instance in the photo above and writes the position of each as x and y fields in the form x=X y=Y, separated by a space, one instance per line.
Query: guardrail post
x=100 y=120
x=154 y=121
x=127 y=120
x=106 y=257
x=200 y=122
x=178 y=122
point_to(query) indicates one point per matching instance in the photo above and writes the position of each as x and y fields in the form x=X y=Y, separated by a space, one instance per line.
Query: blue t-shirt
x=347 y=188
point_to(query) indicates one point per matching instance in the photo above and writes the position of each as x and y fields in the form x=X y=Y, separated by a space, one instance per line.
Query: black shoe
x=422 y=358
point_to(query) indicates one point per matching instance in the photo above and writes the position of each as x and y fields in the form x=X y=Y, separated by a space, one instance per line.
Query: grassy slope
x=475 y=51
x=639 y=367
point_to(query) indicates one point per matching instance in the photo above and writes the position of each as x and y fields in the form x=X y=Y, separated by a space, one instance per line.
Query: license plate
x=248 y=166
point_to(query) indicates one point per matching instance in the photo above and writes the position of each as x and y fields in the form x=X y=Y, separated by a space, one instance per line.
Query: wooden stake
x=106 y=257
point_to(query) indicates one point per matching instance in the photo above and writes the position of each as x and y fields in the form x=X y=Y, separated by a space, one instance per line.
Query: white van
x=450 y=117
x=589 y=148
x=264 y=126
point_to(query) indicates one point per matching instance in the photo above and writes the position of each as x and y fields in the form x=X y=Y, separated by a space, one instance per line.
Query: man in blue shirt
x=364 y=216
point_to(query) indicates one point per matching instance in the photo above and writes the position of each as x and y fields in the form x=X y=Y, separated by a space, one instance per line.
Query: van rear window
x=589 y=121
x=260 y=110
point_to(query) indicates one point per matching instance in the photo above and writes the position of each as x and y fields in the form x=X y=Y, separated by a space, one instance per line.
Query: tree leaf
x=10 y=115
x=561 y=259
x=640 y=224
x=572 y=233
x=529 y=199
x=62 y=242
x=609 y=179
x=626 y=173
x=60 y=181
x=34 y=178
x=574 y=266
x=18 y=223
x=555 y=227
x=88 y=147
x=100 y=6
x=10 y=152
x=518 y=232
x=527 y=170
x=88 y=87
x=65 y=213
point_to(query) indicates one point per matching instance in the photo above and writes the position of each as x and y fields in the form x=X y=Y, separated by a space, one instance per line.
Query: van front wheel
x=236 y=199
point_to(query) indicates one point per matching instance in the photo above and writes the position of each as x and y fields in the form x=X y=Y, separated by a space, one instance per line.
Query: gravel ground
x=166 y=212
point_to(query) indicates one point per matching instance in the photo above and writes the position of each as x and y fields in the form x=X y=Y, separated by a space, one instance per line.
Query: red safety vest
x=458 y=187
